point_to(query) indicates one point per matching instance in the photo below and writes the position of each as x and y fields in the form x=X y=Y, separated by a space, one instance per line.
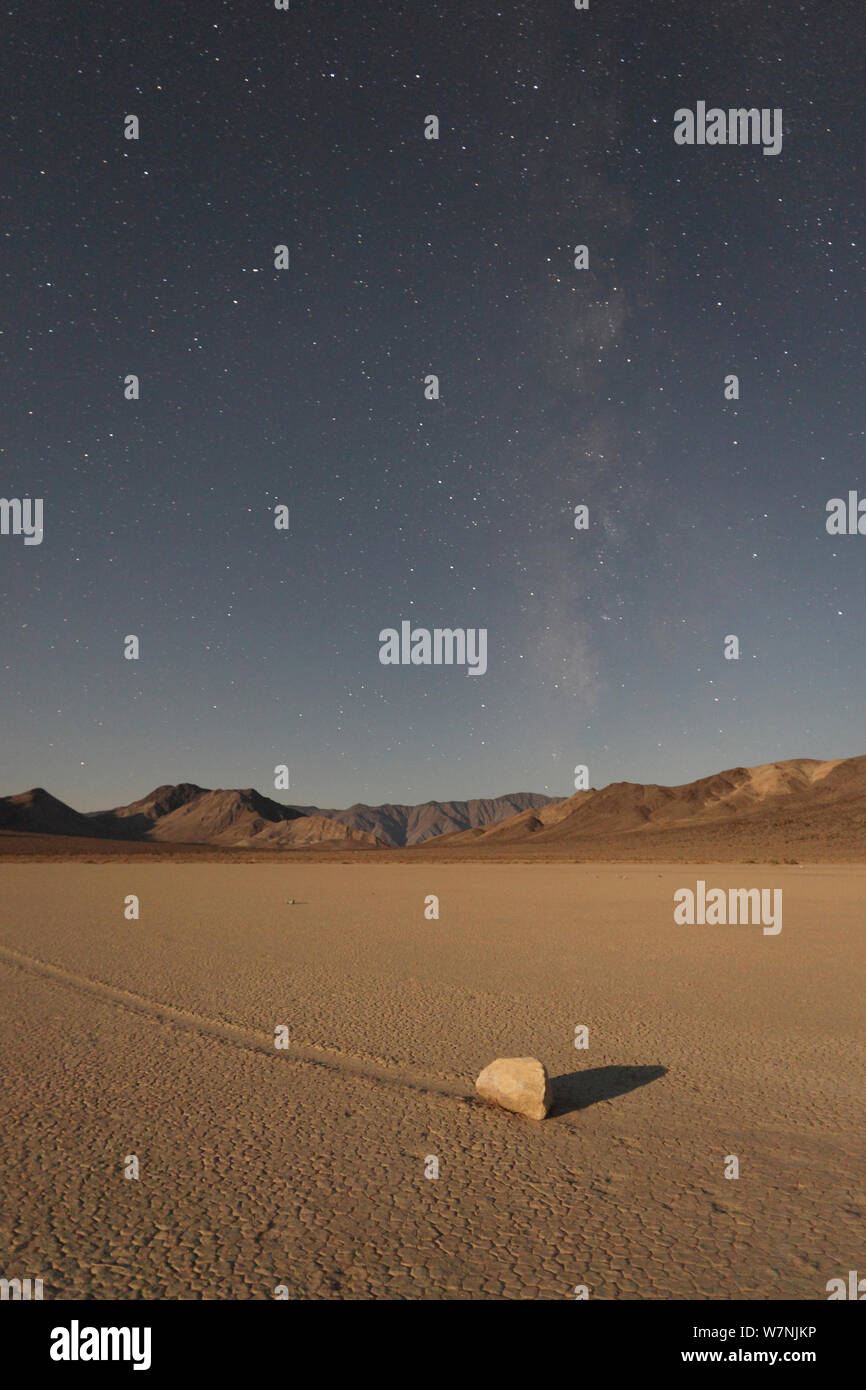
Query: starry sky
x=305 y=387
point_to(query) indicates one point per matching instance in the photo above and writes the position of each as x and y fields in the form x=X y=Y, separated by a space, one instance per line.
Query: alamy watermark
x=736 y=126
x=77 y=1343
x=22 y=517
x=854 y=1289
x=846 y=517
x=20 y=1290
x=749 y=906
x=444 y=646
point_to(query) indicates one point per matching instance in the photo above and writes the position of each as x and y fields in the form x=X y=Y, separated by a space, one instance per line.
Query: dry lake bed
x=308 y=1170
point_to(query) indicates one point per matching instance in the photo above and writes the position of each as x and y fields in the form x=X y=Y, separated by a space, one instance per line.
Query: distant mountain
x=143 y=814
x=182 y=814
x=803 y=806
x=412 y=825
x=803 y=798
x=188 y=814
x=37 y=812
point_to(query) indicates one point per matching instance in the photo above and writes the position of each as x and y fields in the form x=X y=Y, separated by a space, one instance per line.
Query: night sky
x=306 y=387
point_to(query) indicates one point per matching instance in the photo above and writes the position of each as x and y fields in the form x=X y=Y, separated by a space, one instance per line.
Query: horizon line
x=314 y=806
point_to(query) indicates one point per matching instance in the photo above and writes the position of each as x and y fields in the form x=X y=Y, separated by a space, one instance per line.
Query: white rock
x=520 y=1084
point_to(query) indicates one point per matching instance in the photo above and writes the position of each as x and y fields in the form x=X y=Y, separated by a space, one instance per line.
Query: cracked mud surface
x=305 y=1166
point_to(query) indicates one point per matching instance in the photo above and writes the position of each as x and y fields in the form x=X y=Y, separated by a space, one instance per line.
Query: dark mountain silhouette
x=37 y=812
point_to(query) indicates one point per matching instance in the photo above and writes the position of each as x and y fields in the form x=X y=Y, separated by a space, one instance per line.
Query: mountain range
x=188 y=814
x=413 y=825
x=804 y=805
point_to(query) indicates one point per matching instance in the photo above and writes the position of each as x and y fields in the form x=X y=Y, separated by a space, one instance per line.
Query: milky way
x=408 y=258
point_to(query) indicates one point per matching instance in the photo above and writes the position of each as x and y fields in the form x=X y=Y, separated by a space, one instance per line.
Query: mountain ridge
x=799 y=802
x=185 y=813
x=398 y=825
x=792 y=788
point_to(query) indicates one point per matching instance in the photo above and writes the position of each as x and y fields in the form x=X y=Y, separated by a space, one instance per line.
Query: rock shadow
x=578 y=1089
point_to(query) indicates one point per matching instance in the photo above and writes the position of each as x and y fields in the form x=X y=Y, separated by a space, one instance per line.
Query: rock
x=517 y=1083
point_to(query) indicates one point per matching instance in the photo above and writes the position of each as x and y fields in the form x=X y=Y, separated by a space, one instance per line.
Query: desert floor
x=305 y=1167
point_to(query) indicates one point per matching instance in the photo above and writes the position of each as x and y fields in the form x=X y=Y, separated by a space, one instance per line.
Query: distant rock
x=520 y=1084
